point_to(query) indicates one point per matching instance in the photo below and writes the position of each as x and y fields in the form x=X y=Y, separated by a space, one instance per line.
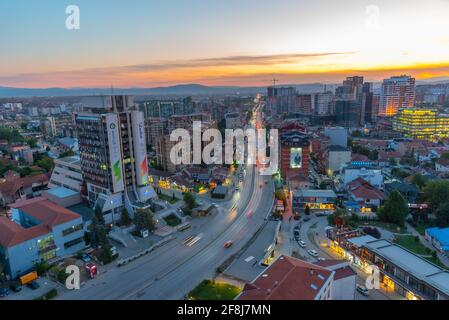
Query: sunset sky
x=147 y=43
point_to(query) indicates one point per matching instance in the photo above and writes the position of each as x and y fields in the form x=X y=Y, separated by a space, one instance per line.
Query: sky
x=149 y=43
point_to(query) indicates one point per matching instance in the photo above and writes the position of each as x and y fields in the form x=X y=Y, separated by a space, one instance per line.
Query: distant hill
x=182 y=89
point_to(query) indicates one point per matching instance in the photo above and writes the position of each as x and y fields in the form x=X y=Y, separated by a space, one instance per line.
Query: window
x=72 y=229
x=73 y=243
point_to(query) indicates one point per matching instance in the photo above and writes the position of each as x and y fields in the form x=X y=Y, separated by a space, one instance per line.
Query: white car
x=321 y=259
x=302 y=244
x=313 y=253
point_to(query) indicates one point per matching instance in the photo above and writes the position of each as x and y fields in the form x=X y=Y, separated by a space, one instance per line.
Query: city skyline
x=150 y=44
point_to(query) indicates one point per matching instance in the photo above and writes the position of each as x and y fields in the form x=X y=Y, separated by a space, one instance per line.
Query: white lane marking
x=249 y=259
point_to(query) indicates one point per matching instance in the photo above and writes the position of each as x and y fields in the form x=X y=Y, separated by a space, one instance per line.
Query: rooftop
x=287 y=279
x=47 y=213
x=412 y=264
x=62 y=192
x=316 y=193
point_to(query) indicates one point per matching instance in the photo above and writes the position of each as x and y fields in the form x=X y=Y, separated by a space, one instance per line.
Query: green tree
x=68 y=153
x=46 y=163
x=419 y=180
x=189 y=200
x=436 y=192
x=125 y=219
x=98 y=234
x=32 y=142
x=307 y=211
x=144 y=220
x=445 y=155
x=395 y=209
x=442 y=215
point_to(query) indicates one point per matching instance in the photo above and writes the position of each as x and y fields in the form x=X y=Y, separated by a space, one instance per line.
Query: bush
x=62 y=276
x=53 y=293
x=42 y=268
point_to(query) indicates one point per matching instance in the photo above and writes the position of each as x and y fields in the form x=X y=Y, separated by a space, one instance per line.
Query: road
x=171 y=271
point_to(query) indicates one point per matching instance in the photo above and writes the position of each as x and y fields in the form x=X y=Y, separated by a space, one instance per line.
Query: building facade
x=422 y=123
x=396 y=93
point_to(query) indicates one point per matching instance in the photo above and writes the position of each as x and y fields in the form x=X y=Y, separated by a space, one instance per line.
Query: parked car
x=321 y=259
x=33 y=285
x=363 y=291
x=302 y=244
x=4 y=292
x=313 y=253
x=86 y=258
x=15 y=286
x=306 y=219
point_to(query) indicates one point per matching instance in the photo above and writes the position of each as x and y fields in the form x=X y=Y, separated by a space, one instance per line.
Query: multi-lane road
x=171 y=271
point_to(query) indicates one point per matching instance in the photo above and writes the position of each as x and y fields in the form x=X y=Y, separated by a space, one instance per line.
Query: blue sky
x=37 y=49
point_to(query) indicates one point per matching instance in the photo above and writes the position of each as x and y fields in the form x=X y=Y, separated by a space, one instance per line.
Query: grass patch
x=169 y=199
x=421 y=228
x=172 y=220
x=210 y=290
x=394 y=228
x=412 y=244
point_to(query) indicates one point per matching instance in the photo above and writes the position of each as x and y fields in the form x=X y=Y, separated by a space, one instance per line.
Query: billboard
x=115 y=153
x=140 y=148
x=295 y=158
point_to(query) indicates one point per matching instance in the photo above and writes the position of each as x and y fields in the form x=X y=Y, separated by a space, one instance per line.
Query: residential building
x=290 y=279
x=294 y=153
x=373 y=175
x=281 y=100
x=338 y=136
x=38 y=230
x=367 y=197
x=442 y=165
x=347 y=113
x=396 y=93
x=337 y=156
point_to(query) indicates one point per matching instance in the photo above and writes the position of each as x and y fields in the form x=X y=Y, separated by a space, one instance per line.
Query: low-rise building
x=314 y=199
x=38 y=230
x=337 y=156
x=368 y=197
x=371 y=174
x=439 y=239
x=67 y=173
x=442 y=165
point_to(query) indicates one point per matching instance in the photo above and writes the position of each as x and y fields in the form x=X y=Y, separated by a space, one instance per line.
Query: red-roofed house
x=290 y=279
x=344 y=284
x=365 y=194
x=38 y=230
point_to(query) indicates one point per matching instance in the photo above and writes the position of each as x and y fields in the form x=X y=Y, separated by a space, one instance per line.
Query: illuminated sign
x=115 y=153
x=296 y=158
x=140 y=148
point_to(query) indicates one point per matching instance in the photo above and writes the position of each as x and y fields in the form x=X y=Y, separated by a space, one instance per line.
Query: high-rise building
x=396 y=93
x=281 y=100
x=322 y=103
x=347 y=113
x=168 y=108
x=113 y=154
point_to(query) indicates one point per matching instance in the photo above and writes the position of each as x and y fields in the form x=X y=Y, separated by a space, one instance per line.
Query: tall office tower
x=281 y=100
x=347 y=113
x=113 y=154
x=367 y=96
x=396 y=93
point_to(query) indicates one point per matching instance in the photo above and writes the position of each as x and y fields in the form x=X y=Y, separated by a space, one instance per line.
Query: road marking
x=249 y=259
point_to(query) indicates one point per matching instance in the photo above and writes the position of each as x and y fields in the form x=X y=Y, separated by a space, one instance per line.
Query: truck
x=29 y=277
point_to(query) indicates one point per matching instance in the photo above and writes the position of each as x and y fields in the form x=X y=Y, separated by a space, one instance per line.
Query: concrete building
x=421 y=123
x=234 y=120
x=113 y=154
x=338 y=136
x=347 y=113
x=396 y=93
x=39 y=230
x=281 y=100
x=67 y=173
x=294 y=153
x=337 y=156
x=373 y=175
x=314 y=199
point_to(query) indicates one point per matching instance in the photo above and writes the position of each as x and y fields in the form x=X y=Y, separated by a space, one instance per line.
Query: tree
x=395 y=209
x=98 y=234
x=46 y=163
x=445 y=155
x=68 y=153
x=307 y=211
x=419 y=180
x=442 y=215
x=99 y=215
x=436 y=193
x=189 y=200
x=125 y=218
x=32 y=142
x=144 y=220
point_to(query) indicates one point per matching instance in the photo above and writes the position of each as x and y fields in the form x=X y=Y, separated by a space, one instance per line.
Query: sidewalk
x=444 y=259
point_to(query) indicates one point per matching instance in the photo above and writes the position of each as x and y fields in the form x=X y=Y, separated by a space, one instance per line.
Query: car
x=33 y=285
x=321 y=259
x=313 y=253
x=228 y=244
x=306 y=219
x=86 y=258
x=4 y=292
x=296 y=233
x=302 y=244
x=15 y=286
x=363 y=291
